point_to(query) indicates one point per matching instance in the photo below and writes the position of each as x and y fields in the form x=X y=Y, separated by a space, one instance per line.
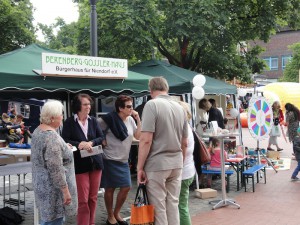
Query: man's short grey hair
x=51 y=108
x=158 y=84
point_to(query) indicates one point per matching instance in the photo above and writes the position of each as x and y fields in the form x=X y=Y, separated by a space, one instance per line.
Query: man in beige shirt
x=162 y=147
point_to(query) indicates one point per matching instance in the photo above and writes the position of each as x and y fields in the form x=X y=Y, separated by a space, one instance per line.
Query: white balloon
x=234 y=112
x=199 y=80
x=242 y=92
x=198 y=92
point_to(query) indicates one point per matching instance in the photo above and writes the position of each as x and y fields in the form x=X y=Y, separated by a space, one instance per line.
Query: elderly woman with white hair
x=53 y=173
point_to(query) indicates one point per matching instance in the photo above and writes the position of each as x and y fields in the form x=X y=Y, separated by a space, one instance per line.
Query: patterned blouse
x=52 y=169
x=293 y=125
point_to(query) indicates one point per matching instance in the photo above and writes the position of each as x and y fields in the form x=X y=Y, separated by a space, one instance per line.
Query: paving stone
x=200 y=210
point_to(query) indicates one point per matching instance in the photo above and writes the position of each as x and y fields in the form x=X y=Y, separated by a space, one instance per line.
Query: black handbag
x=8 y=216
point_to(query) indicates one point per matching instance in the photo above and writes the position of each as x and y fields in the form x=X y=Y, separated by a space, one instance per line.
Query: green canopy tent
x=17 y=73
x=19 y=82
x=179 y=79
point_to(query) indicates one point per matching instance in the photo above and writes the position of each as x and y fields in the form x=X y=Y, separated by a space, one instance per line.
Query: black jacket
x=73 y=134
x=216 y=115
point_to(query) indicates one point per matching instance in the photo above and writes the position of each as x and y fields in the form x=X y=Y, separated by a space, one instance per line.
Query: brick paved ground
x=273 y=203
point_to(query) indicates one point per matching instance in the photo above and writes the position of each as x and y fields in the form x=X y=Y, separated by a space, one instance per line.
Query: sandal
x=270 y=149
x=279 y=149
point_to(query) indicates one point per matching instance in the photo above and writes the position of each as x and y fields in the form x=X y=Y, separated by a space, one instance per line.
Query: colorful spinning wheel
x=260 y=118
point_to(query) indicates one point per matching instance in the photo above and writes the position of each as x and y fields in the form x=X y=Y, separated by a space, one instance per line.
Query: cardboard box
x=20 y=158
x=273 y=155
x=9 y=159
x=6 y=159
x=206 y=193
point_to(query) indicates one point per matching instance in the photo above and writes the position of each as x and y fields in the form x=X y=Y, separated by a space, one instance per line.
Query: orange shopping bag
x=142 y=213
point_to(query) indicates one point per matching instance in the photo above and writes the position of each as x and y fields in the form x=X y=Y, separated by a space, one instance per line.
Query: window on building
x=272 y=62
x=285 y=60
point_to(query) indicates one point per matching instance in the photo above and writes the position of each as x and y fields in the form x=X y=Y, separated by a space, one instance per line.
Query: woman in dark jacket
x=292 y=117
x=84 y=132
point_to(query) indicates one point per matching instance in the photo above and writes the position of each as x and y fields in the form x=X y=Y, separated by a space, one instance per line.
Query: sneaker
x=294 y=178
x=270 y=149
x=279 y=149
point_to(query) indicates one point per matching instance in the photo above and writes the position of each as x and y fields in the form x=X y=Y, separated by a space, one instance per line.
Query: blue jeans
x=58 y=221
x=297 y=169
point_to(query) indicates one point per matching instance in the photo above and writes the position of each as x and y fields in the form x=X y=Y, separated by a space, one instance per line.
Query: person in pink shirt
x=215 y=163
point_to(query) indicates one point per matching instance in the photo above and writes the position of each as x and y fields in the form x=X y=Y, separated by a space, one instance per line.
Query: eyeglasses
x=128 y=106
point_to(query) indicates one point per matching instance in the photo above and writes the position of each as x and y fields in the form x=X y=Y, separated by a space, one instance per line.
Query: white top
x=188 y=170
x=84 y=127
x=202 y=115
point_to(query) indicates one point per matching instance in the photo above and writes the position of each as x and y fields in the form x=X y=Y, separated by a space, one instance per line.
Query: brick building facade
x=277 y=52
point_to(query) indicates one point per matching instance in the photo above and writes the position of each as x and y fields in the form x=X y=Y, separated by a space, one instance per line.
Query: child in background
x=278 y=119
x=215 y=163
x=229 y=144
x=296 y=148
x=15 y=131
x=24 y=129
x=19 y=119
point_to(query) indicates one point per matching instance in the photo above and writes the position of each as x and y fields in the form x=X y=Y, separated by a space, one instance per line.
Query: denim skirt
x=115 y=174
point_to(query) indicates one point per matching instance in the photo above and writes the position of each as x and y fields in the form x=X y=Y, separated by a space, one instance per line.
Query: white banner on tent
x=83 y=66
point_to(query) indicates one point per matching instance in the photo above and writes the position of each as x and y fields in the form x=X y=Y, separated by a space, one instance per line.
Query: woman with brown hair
x=214 y=114
x=119 y=128
x=292 y=117
x=83 y=131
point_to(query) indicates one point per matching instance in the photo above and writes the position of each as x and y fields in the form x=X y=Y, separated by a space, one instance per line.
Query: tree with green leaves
x=199 y=35
x=292 y=69
x=66 y=38
x=16 y=27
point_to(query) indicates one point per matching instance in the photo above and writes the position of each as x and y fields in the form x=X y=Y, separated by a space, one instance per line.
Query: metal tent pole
x=93 y=23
